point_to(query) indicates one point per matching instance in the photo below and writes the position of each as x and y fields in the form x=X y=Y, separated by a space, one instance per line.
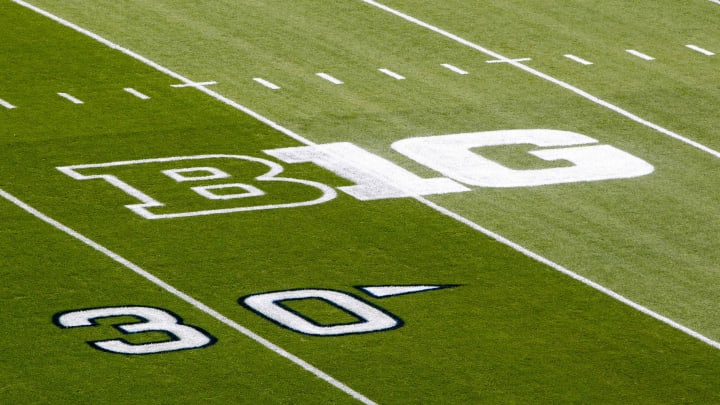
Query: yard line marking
x=578 y=59
x=392 y=74
x=6 y=104
x=420 y=199
x=639 y=54
x=331 y=79
x=190 y=83
x=701 y=50
x=181 y=295
x=70 y=98
x=715 y=1
x=508 y=60
x=269 y=85
x=197 y=304
x=137 y=93
x=454 y=69
x=544 y=76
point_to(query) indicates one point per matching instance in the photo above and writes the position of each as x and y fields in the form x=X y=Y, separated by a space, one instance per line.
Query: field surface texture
x=410 y=201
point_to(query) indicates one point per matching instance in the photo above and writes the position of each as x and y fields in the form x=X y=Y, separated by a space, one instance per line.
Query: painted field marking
x=508 y=60
x=301 y=139
x=137 y=93
x=392 y=74
x=6 y=104
x=701 y=50
x=578 y=59
x=639 y=54
x=70 y=98
x=190 y=83
x=544 y=76
x=269 y=85
x=715 y=1
x=331 y=79
x=454 y=69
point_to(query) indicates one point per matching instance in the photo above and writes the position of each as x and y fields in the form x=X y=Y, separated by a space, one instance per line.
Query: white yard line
x=578 y=59
x=639 y=54
x=701 y=50
x=715 y=1
x=137 y=93
x=331 y=79
x=305 y=141
x=518 y=60
x=546 y=77
x=454 y=69
x=6 y=104
x=269 y=85
x=392 y=74
x=70 y=98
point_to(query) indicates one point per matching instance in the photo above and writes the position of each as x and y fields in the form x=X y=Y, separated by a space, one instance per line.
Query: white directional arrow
x=393 y=290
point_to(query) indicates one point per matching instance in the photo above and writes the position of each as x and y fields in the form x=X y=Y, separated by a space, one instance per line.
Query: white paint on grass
x=508 y=60
x=331 y=79
x=6 y=104
x=70 y=98
x=190 y=83
x=639 y=54
x=444 y=211
x=544 y=76
x=454 y=69
x=715 y=1
x=269 y=85
x=393 y=290
x=392 y=74
x=578 y=59
x=147 y=203
x=137 y=94
x=701 y=50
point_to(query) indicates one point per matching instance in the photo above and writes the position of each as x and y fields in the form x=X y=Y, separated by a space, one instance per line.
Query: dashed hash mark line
x=268 y=84
x=70 y=98
x=6 y=104
x=428 y=203
x=392 y=74
x=578 y=59
x=454 y=69
x=137 y=94
x=329 y=78
x=544 y=76
x=639 y=54
x=701 y=50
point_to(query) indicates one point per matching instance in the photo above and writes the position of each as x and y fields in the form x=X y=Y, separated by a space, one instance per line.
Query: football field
x=359 y=201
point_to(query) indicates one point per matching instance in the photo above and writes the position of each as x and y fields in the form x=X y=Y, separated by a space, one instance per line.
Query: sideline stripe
x=454 y=69
x=6 y=104
x=70 y=98
x=535 y=72
x=578 y=59
x=269 y=85
x=392 y=74
x=639 y=54
x=331 y=79
x=192 y=301
x=701 y=50
x=420 y=199
x=137 y=93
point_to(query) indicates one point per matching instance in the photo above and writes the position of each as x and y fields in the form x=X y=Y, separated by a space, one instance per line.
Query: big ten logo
x=205 y=184
x=216 y=184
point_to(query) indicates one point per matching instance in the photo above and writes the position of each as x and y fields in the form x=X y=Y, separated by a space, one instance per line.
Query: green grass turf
x=514 y=331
